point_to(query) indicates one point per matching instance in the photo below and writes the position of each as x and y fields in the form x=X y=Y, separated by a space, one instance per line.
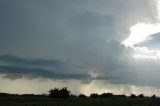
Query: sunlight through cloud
x=141 y=32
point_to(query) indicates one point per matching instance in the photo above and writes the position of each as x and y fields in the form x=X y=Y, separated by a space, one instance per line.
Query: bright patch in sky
x=145 y=53
x=142 y=32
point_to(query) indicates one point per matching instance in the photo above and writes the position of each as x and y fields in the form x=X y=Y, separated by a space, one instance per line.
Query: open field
x=46 y=101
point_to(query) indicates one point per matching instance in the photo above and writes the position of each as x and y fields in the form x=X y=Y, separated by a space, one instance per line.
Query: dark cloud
x=16 y=67
x=15 y=72
x=73 y=39
x=14 y=60
x=121 y=70
x=51 y=28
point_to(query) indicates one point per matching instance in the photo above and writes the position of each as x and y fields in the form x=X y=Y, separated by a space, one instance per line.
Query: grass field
x=46 y=101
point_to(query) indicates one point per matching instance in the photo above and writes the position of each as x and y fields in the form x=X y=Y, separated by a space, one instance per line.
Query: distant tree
x=64 y=93
x=4 y=94
x=106 y=95
x=82 y=96
x=133 y=96
x=141 y=96
x=54 y=93
x=59 y=93
x=7 y=94
x=94 y=95
x=120 y=96
x=153 y=96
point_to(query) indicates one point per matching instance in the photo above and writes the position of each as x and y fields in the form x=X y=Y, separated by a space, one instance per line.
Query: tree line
x=65 y=93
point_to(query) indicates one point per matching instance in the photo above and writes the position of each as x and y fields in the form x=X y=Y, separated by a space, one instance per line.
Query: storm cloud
x=15 y=67
x=81 y=40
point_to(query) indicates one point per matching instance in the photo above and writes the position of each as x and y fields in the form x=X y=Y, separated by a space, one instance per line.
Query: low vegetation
x=63 y=97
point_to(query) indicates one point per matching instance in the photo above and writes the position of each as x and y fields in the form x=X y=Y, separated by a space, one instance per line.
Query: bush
x=82 y=96
x=59 y=93
x=106 y=95
x=54 y=93
x=133 y=96
x=141 y=96
x=64 y=93
x=94 y=95
x=153 y=96
x=120 y=96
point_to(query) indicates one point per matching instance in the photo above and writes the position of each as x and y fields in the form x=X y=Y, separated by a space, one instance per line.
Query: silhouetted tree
x=133 y=96
x=106 y=95
x=153 y=96
x=7 y=94
x=82 y=96
x=4 y=94
x=59 y=93
x=94 y=95
x=54 y=93
x=64 y=93
x=120 y=96
x=141 y=96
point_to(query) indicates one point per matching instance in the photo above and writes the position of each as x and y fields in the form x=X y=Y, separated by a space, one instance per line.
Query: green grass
x=45 y=101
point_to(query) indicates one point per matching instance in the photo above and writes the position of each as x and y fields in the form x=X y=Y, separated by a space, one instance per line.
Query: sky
x=86 y=45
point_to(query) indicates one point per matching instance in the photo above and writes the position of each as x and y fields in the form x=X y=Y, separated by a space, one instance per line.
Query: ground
x=46 y=101
x=154 y=102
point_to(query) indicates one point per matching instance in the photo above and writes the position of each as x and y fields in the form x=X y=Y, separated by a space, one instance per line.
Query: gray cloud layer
x=11 y=59
x=75 y=39
x=15 y=67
